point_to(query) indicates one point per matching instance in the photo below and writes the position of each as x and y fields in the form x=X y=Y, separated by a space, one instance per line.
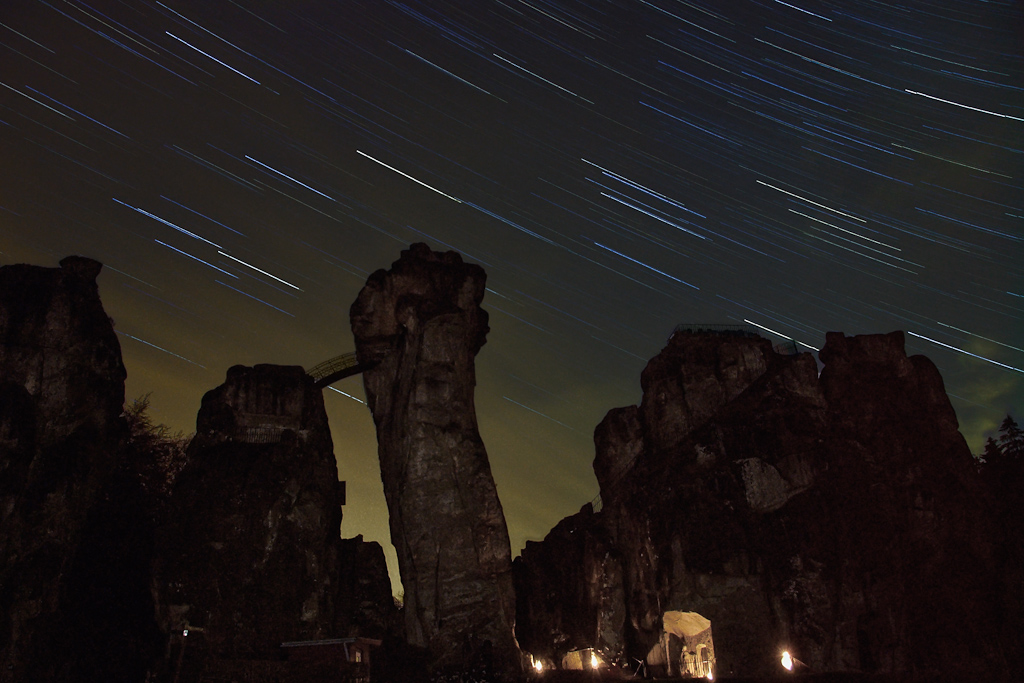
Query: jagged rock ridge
x=838 y=516
x=422 y=321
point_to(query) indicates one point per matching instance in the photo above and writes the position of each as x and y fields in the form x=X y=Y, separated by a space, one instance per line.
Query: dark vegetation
x=1005 y=455
x=156 y=454
x=108 y=596
x=1002 y=471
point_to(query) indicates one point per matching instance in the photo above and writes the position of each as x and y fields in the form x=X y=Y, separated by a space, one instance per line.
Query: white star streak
x=167 y=223
x=37 y=101
x=1015 y=348
x=957 y=104
x=249 y=265
x=439 y=68
x=196 y=258
x=158 y=348
x=298 y=182
x=541 y=78
x=348 y=395
x=966 y=353
x=800 y=9
x=402 y=173
x=779 y=334
x=849 y=232
x=643 y=211
x=804 y=199
x=211 y=57
x=640 y=187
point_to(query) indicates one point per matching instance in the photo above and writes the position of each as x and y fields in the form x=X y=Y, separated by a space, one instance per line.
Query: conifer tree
x=992 y=455
x=1011 y=440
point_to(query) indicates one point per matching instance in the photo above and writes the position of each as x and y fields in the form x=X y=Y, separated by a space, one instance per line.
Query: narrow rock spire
x=423 y=321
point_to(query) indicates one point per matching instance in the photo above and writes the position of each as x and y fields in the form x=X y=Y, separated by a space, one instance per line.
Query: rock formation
x=365 y=605
x=246 y=549
x=71 y=574
x=422 y=321
x=251 y=555
x=836 y=515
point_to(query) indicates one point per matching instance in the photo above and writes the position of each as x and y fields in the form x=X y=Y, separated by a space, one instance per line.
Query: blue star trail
x=617 y=167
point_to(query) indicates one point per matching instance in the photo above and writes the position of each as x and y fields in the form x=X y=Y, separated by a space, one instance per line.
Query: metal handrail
x=786 y=348
x=340 y=367
x=329 y=367
x=716 y=328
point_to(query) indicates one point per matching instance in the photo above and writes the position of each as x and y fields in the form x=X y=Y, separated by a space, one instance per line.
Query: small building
x=351 y=655
x=685 y=648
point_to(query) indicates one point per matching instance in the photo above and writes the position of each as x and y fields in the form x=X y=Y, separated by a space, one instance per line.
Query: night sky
x=618 y=167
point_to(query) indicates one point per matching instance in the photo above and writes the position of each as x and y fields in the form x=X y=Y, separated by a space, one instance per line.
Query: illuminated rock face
x=836 y=515
x=422 y=320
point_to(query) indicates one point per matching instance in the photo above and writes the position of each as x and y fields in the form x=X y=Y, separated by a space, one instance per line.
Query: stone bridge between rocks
x=338 y=368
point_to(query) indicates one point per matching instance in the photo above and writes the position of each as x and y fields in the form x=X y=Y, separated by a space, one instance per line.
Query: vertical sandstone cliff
x=422 y=320
x=73 y=598
x=837 y=516
x=250 y=550
x=246 y=549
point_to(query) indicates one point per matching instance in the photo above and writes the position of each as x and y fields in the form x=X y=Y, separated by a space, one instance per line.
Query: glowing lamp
x=787 y=661
x=538 y=665
x=594 y=661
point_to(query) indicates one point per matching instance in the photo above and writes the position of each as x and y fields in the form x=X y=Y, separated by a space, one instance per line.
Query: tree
x=157 y=454
x=1011 y=440
x=993 y=454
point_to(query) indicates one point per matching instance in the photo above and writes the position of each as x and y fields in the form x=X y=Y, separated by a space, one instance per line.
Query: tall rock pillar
x=74 y=602
x=249 y=558
x=422 y=320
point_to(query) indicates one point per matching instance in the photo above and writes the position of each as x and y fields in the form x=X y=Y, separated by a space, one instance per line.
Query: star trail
x=617 y=166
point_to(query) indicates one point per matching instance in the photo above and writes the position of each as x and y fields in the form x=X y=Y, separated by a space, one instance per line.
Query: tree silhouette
x=1005 y=455
x=1002 y=472
x=1011 y=440
x=155 y=453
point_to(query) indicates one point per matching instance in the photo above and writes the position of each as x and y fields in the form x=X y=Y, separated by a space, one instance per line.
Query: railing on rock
x=714 y=328
x=260 y=434
x=340 y=367
x=786 y=348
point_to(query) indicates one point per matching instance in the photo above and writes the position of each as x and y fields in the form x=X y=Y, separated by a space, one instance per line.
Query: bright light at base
x=594 y=661
x=787 y=661
x=711 y=676
x=538 y=665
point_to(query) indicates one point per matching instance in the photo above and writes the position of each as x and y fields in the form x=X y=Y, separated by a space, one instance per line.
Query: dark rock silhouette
x=251 y=555
x=422 y=320
x=74 y=601
x=365 y=604
x=837 y=516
